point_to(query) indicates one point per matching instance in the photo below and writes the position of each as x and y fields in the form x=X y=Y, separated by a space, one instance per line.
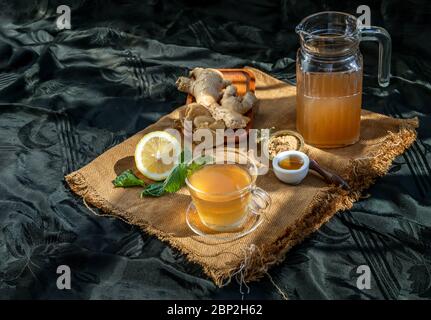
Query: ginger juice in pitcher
x=329 y=107
x=329 y=77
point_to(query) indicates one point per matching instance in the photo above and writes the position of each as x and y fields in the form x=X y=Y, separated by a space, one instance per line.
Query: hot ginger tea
x=291 y=162
x=328 y=109
x=216 y=193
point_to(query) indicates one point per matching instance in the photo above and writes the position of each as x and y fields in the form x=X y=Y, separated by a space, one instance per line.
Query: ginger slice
x=232 y=119
x=194 y=110
x=203 y=121
x=219 y=124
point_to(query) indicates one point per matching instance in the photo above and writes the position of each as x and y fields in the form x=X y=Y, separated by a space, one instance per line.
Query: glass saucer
x=251 y=222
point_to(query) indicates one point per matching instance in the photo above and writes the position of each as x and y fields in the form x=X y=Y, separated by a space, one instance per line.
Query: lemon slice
x=156 y=155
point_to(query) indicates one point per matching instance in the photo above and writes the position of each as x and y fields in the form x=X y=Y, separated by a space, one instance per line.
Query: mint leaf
x=194 y=166
x=176 y=179
x=174 y=182
x=154 y=190
x=185 y=156
x=128 y=179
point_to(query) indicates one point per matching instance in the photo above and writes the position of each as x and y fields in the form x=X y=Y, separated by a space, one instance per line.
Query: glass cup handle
x=260 y=201
x=385 y=50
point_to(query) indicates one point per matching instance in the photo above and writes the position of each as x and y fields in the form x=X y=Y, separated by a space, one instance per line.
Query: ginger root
x=194 y=110
x=216 y=99
x=232 y=119
x=203 y=121
x=201 y=117
x=219 y=124
x=205 y=85
x=238 y=104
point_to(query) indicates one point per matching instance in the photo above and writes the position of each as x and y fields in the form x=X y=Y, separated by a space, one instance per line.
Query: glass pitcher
x=329 y=77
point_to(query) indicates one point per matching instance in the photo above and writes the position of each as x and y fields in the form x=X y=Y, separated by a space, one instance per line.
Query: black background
x=67 y=96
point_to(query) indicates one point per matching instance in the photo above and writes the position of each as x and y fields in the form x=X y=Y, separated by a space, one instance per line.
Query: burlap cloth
x=296 y=211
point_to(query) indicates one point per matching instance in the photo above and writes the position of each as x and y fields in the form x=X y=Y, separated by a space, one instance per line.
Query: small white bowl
x=291 y=176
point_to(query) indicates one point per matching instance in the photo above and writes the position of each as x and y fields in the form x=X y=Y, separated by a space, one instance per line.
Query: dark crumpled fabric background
x=67 y=96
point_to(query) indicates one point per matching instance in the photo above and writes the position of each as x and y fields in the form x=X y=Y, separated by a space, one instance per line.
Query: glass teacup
x=223 y=190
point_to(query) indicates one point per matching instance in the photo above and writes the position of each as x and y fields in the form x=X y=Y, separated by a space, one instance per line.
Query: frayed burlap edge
x=360 y=174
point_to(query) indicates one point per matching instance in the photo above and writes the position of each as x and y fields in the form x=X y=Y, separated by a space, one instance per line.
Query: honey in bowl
x=216 y=193
x=291 y=162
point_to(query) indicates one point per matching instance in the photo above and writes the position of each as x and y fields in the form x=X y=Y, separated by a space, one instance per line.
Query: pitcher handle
x=260 y=201
x=380 y=35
